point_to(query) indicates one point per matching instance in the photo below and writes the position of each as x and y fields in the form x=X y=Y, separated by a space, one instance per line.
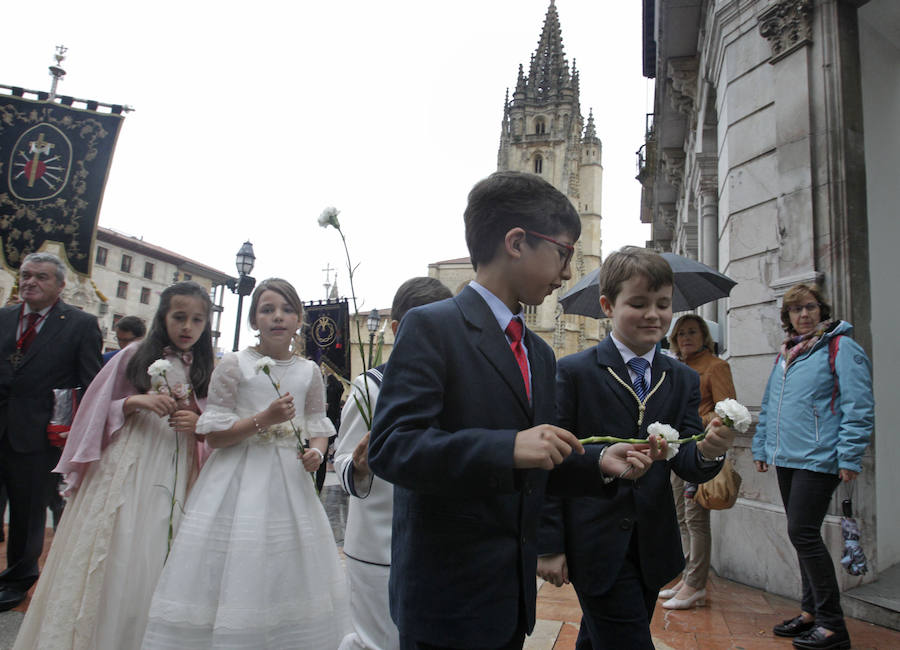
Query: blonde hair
x=704 y=332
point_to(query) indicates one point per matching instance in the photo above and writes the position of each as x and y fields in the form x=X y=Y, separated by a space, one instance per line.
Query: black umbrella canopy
x=695 y=284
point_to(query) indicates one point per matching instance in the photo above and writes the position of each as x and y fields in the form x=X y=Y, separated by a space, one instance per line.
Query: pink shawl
x=99 y=418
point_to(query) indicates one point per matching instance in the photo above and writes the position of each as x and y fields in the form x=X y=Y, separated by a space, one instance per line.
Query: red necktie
x=514 y=332
x=30 y=330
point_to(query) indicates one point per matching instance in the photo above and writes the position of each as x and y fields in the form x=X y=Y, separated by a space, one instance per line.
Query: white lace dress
x=255 y=563
x=106 y=556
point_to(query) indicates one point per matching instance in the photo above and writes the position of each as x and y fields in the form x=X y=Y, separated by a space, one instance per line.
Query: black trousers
x=620 y=618
x=806 y=496
x=25 y=477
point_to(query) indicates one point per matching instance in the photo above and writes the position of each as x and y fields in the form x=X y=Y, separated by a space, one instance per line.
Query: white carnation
x=667 y=433
x=734 y=415
x=329 y=217
x=159 y=368
x=264 y=364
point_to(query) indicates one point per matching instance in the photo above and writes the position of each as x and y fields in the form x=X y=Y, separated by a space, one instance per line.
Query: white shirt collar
x=628 y=355
x=501 y=312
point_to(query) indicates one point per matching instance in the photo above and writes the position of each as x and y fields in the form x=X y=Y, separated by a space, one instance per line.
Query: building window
x=116 y=319
x=148 y=270
x=538 y=164
x=101 y=256
x=122 y=290
x=187 y=276
x=126 y=263
x=145 y=295
x=540 y=127
x=531 y=314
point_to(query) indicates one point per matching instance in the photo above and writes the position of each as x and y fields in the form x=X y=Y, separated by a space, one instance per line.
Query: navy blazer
x=595 y=533
x=464 y=547
x=64 y=354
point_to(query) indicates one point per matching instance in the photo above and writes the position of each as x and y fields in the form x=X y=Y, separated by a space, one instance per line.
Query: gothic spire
x=590 y=131
x=549 y=70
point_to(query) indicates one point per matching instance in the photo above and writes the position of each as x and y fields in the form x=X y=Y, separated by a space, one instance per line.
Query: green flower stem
x=365 y=408
x=175 y=482
x=636 y=441
x=300 y=445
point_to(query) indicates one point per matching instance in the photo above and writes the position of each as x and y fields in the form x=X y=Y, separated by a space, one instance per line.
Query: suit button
x=523 y=540
x=626 y=524
x=528 y=488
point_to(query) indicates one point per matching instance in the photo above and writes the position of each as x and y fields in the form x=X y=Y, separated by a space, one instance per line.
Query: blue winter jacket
x=799 y=425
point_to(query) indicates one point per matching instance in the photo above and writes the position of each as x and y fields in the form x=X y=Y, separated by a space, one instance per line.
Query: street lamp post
x=244 y=286
x=372 y=325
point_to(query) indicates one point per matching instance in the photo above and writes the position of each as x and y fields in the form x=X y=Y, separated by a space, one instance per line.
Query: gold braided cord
x=642 y=405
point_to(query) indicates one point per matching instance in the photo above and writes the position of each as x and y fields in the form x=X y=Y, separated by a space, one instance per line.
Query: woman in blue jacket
x=815 y=422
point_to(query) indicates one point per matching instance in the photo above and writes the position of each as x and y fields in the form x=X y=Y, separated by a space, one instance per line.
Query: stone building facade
x=771 y=155
x=544 y=132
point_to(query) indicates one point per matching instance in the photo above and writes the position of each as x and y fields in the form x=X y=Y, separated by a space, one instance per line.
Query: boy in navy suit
x=619 y=551
x=463 y=429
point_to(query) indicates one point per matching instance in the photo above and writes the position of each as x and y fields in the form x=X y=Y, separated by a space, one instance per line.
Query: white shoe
x=667 y=593
x=696 y=600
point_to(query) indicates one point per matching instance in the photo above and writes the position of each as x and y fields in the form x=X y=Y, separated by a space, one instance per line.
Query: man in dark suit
x=44 y=344
x=463 y=429
x=619 y=551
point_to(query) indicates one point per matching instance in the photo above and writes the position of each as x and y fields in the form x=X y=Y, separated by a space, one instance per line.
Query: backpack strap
x=833 y=346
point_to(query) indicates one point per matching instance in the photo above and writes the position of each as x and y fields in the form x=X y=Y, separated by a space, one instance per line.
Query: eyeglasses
x=810 y=307
x=567 y=248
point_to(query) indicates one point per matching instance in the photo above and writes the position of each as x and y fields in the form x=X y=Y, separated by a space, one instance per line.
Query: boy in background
x=619 y=551
x=367 y=538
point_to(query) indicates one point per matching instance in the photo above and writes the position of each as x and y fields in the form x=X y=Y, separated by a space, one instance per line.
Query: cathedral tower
x=543 y=132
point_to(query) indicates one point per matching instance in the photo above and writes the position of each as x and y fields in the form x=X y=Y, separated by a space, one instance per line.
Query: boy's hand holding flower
x=733 y=417
x=626 y=460
x=717 y=441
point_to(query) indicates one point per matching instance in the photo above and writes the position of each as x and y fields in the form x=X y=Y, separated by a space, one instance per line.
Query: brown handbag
x=720 y=492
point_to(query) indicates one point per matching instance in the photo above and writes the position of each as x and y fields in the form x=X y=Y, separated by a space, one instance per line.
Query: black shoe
x=816 y=638
x=793 y=627
x=9 y=598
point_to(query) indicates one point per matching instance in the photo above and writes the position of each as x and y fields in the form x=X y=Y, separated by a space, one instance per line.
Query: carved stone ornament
x=788 y=26
x=673 y=166
x=682 y=74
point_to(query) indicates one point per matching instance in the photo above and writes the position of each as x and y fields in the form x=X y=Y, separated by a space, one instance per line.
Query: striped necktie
x=639 y=365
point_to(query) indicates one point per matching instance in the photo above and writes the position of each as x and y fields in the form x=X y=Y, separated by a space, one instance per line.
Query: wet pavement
x=735 y=616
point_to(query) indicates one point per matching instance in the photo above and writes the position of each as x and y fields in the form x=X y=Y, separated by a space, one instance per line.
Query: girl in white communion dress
x=255 y=564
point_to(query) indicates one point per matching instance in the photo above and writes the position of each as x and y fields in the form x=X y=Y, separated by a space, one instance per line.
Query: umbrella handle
x=847 y=507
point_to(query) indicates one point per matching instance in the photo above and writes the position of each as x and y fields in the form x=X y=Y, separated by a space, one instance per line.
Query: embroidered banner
x=327 y=333
x=54 y=161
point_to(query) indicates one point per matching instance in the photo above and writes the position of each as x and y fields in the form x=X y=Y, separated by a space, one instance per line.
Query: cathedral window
x=540 y=127
x=538 y=164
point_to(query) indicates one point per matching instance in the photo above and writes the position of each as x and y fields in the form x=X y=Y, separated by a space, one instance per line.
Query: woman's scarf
x=799 y=344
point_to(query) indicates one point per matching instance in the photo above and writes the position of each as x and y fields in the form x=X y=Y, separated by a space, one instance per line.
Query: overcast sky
x=251 y=117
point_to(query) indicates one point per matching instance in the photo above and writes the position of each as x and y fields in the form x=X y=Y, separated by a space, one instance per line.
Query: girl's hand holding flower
x=281 y=410
x=184 y=421
x=162 y=405
x=311 y=459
